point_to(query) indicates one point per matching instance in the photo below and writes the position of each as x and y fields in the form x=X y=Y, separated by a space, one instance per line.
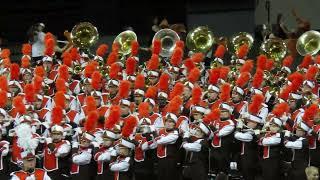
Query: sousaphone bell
x=200 y=39
x=168 y=38
x=308 y=43
x=124 y=40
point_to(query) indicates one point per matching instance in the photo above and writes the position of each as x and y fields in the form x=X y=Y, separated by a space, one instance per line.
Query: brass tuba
x=308 y=43
x=274 y=48
x=200 y=39
x=240 y=39
x=84 y=35
x=168 y=38
x=124 y=39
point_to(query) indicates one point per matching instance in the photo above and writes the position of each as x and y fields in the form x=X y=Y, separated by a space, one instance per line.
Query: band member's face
x=123 y=151
x=113 y=89
x=162 y=101
x=27 y=78
x=252 y=124
x=144 y=129
x=47 y=65
x=67 y=104
x=313 y=175
x=186 y=93
x=198 y=133
x=152 y=80
x=169 y=124
x=37 y=104
x=212 y=95
x=87 y=88
x=197 y=116
x=6 y=73
x=150 y=108
x=56 y=136
x=124 y=109
x=138 y=99
x=224 y=115
x=29 y=164
x=98 y=100
x=317 y=118
x=9 y=102
x=274 y=128
x=300 y=132
x=84 y=142
x=14 y=90
x=107 y=142
x=306 y=89
x=175 y=75
x=292 y=104
x=236 y=97
x=1 y=118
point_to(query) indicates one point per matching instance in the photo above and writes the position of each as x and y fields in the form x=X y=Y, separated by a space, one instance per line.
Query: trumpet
x=76 y=70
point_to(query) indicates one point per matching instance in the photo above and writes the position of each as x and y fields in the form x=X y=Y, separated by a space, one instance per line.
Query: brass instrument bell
x=124 y=39
x=240 y=39
x=274 y=48
x=84 y=35
x=308 y=43
x=200 y=39
x=168 y=38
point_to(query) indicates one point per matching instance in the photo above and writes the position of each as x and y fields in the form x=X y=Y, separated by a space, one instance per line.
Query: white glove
x=95 y=144
x=245 y=115
x=12 y=132
x=152 y=128
x=186 y=134
x=239 y=124
x=284 y=118
x=267 y=124
x=78 y=130
x=233 y=166
x=48 y=81
x=49 y=140
x=144 y=146
x=75 y=145
x=256 y=131
x=287 y=133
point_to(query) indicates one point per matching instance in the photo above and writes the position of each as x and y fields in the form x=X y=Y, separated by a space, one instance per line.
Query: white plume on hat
x=25 y=139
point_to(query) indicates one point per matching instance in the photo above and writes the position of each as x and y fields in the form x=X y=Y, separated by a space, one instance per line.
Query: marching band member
x=153 y=70
x=83 y=166
x=122 y=166
x=29 y=170
x=245 y=133
x=212 y=95
x=139 y=87
x=299 y=143
x=239 y=93
x=271 y=143
x=56 y=149
x=143 y=153
x=4 y=150
x=167 y=148
x=196 y=144
x=106 y=152
x=163 y=93
x=222 y=129
x=314 y=141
